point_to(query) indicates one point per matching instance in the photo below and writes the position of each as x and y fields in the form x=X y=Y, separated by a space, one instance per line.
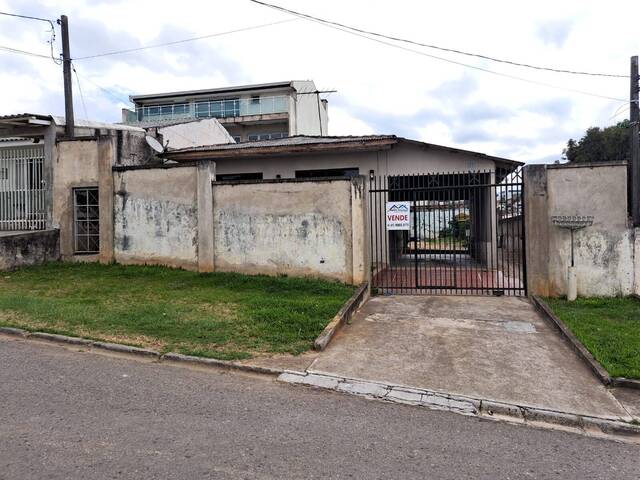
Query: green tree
x=609 y=144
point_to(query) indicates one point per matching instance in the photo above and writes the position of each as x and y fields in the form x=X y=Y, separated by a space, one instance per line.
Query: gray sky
x=380 y=88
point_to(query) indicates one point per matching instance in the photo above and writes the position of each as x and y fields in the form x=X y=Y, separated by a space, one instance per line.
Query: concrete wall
x=604 y=252
x=87 y=162
x=28 y=248
x=402 y=159
x=155 y=217
x=298 y=228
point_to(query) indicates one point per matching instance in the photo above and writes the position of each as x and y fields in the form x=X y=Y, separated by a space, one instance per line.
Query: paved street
x=67 y=414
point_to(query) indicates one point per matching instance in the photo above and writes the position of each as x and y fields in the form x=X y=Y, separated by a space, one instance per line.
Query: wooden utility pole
x=66 y=73
x=634 y=117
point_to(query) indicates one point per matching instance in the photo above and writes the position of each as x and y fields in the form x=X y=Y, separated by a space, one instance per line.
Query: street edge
x=172 y=357
x=469 y=406
x=343 y=316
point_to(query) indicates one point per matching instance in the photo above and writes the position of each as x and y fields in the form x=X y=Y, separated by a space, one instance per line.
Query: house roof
x=212 y=91
x=302 y=144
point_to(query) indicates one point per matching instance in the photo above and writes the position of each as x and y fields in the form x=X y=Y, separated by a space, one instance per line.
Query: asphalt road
x=77 y=415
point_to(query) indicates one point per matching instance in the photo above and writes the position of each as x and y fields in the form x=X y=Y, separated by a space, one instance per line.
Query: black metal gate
x=454 y=233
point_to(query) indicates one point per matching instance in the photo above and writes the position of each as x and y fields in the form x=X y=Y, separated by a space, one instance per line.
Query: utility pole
x=66 y=73
x=634 y=117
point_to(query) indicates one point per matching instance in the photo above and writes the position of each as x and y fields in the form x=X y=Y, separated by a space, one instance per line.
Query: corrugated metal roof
x=291 y=144
x=16 y=116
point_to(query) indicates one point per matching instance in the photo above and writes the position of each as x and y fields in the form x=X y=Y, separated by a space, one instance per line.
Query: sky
x=380 y=88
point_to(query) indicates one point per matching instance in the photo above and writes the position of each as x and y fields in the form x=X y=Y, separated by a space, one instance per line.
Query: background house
x=249 y=113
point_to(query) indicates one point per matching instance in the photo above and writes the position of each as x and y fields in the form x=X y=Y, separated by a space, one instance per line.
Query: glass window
x=202 y=109
x=86 y=219
x=231 y=108
x=253 y=138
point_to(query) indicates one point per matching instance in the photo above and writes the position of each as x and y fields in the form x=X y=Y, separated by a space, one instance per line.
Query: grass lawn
x=219 y=315
x=608 y=327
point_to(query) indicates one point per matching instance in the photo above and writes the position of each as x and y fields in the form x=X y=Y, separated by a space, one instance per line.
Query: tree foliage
x=609 y=144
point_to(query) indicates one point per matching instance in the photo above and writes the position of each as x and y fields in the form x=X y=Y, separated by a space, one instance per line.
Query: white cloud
x=380 y=89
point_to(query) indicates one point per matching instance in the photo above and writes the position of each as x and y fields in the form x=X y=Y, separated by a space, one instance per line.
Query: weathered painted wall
x=87 y=162
x=604 y=252
x=28 y=248
x=156 y=216
x=298 y=228
x=75 y=165
x=402 y=159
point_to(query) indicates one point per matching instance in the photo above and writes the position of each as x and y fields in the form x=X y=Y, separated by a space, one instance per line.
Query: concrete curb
x=212 y=362
x=343 y=316
x=573 y=341
x=139 y=352
x=460 y=404
x=18 y=332
x=119 y=348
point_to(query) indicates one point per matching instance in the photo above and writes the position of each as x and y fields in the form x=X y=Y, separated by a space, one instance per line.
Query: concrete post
x=206 y=248
x=47 y=173
x=359 y=243
x=536 y=229
x=106 y=193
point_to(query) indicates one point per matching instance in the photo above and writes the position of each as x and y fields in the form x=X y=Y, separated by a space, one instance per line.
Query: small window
x=86 y=219
x=237 y=138
x=238 y=176
x=255 y=99
x=328 y=172
x=253 y=138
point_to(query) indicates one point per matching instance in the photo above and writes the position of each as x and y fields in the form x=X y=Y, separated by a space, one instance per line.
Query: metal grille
x=464 y=234
x=22 y=189
x=86 y=218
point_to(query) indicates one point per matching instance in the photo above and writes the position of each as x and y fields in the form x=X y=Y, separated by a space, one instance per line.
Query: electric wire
x=436 y=47
x=177 y=42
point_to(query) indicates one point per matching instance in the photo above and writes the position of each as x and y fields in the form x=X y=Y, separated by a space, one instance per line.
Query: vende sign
x=398 y=215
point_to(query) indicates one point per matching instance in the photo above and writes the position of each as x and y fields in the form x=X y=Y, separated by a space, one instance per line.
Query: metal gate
x=22 y=189
x=459 y=233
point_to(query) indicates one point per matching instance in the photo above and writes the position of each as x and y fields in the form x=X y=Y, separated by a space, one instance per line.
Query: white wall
x=309 y=117
x=402 y=159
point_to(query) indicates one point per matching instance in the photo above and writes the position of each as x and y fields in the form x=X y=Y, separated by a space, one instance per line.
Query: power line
x=22 y=52
x=177 y=42
x=84 y=105
x=486 y=70
x=436 y=47
x=51 y=41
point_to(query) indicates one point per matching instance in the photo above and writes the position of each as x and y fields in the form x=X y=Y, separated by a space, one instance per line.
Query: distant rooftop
x=212 y=91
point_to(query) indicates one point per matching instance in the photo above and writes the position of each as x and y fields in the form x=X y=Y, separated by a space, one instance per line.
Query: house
x=249 y=112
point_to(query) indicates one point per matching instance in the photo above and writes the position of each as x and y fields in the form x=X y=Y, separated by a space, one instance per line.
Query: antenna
x=154 y=143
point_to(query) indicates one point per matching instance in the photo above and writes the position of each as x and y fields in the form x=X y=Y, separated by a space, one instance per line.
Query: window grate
x=86 y=213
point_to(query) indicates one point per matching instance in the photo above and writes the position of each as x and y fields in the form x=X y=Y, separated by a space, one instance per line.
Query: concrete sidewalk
x=496 y=348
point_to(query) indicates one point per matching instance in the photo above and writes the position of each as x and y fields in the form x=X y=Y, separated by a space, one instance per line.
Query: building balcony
x=220 y=109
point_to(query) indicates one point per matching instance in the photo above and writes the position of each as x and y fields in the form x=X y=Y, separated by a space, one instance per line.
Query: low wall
x=604 y=252
x=293 y=227
x=155 y=216
x=28 y=248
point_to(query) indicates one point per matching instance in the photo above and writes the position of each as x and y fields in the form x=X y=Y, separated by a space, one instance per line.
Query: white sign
x=398 y=215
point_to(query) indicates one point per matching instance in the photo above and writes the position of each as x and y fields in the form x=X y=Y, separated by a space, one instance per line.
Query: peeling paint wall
x=28 y=248
x=604 y=252
x=298 y=228
x=155 y=217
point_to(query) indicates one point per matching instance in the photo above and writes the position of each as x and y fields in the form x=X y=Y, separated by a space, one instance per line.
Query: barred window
x=86 y=216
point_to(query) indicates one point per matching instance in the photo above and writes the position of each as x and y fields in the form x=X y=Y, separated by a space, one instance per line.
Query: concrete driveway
x=495 y=348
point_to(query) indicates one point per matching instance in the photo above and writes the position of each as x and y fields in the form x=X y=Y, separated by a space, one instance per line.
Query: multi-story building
x=249 y=113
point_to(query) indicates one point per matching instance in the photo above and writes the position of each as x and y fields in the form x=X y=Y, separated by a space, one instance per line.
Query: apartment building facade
x=249 y=113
